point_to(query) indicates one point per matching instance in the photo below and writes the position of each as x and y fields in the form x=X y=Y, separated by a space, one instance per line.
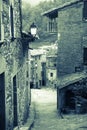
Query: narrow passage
x=46 y=110
x=46 y=117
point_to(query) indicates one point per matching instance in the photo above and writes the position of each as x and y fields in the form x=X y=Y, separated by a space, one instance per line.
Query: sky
x=33 y=2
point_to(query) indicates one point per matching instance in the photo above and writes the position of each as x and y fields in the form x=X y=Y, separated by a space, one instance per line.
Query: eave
x=69 y=79
x=53 y=13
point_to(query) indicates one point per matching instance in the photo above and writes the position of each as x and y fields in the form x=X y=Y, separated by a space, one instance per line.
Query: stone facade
x=14 y=83
x=51 y=66
x=72 y=51
x=71 y=34
x=72 y=29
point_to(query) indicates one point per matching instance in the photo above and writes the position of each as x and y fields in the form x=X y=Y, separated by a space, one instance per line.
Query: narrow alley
x=46 y=117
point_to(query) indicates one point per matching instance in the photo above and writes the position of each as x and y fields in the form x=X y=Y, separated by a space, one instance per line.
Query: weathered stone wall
x=5 y=32
x=13 y=62
x=70 y=47
x=17 y=18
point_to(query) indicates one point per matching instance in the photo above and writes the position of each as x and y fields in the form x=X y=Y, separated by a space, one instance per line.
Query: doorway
x=15 y=102
x=69 y=100
x=2 y=101
x=43 y=74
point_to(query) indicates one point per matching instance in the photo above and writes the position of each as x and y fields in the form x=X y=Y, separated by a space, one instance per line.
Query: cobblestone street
x=46 y=117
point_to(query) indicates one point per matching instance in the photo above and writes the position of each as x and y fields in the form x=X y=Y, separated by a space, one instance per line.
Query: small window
x=52 y=25
x=85 y=56
x=85 y=10
x=54 y=64
x=51 y=74
x=11 y=22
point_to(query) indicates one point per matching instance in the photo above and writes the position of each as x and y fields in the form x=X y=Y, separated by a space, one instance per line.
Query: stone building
x=51 y=70
x=38 y=68
x=51 y=65
x=14 y=84
x=71 y=19
x=43 y=66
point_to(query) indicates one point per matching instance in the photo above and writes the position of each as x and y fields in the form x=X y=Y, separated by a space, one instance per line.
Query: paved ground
x=46 y=113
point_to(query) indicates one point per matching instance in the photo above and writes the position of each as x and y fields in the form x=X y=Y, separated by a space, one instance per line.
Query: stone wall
x=70 y=44
x=14 y=66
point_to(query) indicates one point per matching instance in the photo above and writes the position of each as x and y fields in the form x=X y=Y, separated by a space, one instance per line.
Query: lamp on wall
x=32 y=35
x=33 y=29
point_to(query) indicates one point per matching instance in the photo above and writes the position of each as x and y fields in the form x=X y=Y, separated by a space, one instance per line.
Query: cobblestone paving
x=46 y=113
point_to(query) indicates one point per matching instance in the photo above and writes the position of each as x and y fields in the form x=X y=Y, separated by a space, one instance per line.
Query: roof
x=52 y=13
x=64 y=81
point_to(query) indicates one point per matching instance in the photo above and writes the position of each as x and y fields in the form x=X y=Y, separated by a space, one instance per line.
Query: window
x=85 y=56
x=52 y=27
x=51 y=74
x=54 y=64
x=11 y=22
x=85 y=10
